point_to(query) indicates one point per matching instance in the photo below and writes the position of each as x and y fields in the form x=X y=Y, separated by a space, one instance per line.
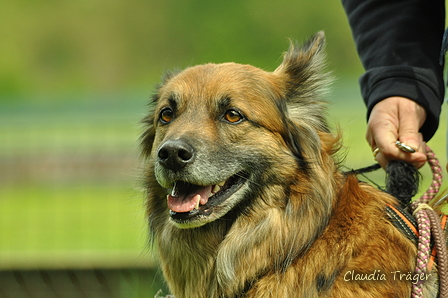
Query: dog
x=245 y=195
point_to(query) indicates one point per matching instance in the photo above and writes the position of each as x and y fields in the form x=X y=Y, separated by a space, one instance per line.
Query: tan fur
x=298 y=225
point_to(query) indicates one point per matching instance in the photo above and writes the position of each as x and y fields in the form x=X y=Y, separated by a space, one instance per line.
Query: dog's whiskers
x=248 y=179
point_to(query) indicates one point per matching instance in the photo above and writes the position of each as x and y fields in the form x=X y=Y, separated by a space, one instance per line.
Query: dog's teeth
x=216 y=188
x=221 y=183
x=173 y=191
x=198 y=201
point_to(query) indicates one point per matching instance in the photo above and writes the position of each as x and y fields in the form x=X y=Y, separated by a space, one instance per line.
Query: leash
x=402 y=183
x=428 y=223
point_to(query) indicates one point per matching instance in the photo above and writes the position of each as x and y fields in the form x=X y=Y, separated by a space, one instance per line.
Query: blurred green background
x=75 y=78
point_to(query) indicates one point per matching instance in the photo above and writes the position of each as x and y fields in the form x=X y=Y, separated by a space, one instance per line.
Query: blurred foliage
x=60 y=46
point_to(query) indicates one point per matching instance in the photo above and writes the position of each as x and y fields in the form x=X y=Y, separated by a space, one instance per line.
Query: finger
x=417 y=159
x=409 y=135
x=382 y=137
x=388 y=149
x=408 y=132
x=381 y=134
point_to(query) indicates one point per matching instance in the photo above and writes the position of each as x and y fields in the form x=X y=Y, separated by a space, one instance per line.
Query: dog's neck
x=210 y=260
x=188 y=258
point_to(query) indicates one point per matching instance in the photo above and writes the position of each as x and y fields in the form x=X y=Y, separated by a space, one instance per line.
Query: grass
x=69 y=170
x=84 y=220
x=74 y=217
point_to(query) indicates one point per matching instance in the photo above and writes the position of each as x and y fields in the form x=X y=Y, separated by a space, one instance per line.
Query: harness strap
x=406 y=223
x=403 y=221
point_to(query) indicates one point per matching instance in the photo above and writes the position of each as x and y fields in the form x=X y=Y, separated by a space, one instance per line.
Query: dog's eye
x=233 y=116
x=166 y=115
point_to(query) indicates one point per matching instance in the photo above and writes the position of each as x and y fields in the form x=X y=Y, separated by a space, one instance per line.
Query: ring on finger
x=376 y=151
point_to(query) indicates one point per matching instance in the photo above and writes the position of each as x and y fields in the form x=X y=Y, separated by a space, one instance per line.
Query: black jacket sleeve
x=399 y=44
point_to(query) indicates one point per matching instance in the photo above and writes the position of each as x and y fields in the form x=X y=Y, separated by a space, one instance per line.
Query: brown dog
x=245 y=198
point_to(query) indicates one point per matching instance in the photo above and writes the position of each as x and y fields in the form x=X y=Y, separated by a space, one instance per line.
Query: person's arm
x=399 y=45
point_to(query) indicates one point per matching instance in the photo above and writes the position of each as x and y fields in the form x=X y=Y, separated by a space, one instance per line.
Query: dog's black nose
x=175 y=154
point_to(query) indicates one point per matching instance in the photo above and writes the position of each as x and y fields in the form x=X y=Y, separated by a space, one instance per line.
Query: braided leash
x=402 y=183
x=428 y=222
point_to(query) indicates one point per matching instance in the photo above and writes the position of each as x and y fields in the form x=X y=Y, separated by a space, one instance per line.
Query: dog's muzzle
x=198 y=188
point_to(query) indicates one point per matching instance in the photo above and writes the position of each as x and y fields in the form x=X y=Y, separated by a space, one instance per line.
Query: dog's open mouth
x=189 y=200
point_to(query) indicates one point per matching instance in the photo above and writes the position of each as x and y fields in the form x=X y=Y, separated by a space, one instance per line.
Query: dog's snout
x=175 y=155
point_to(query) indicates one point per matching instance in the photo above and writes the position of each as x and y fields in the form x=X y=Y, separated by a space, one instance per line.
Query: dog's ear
x=305 y=81
x=169 y=75
x=303 y=68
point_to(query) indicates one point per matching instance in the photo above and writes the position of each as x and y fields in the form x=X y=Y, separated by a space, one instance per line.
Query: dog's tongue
x=186 y=197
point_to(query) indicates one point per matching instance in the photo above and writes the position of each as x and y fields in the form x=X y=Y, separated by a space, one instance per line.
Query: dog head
x=219 y=135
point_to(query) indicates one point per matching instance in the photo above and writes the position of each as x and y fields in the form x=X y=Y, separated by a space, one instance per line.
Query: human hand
x=397 y=119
